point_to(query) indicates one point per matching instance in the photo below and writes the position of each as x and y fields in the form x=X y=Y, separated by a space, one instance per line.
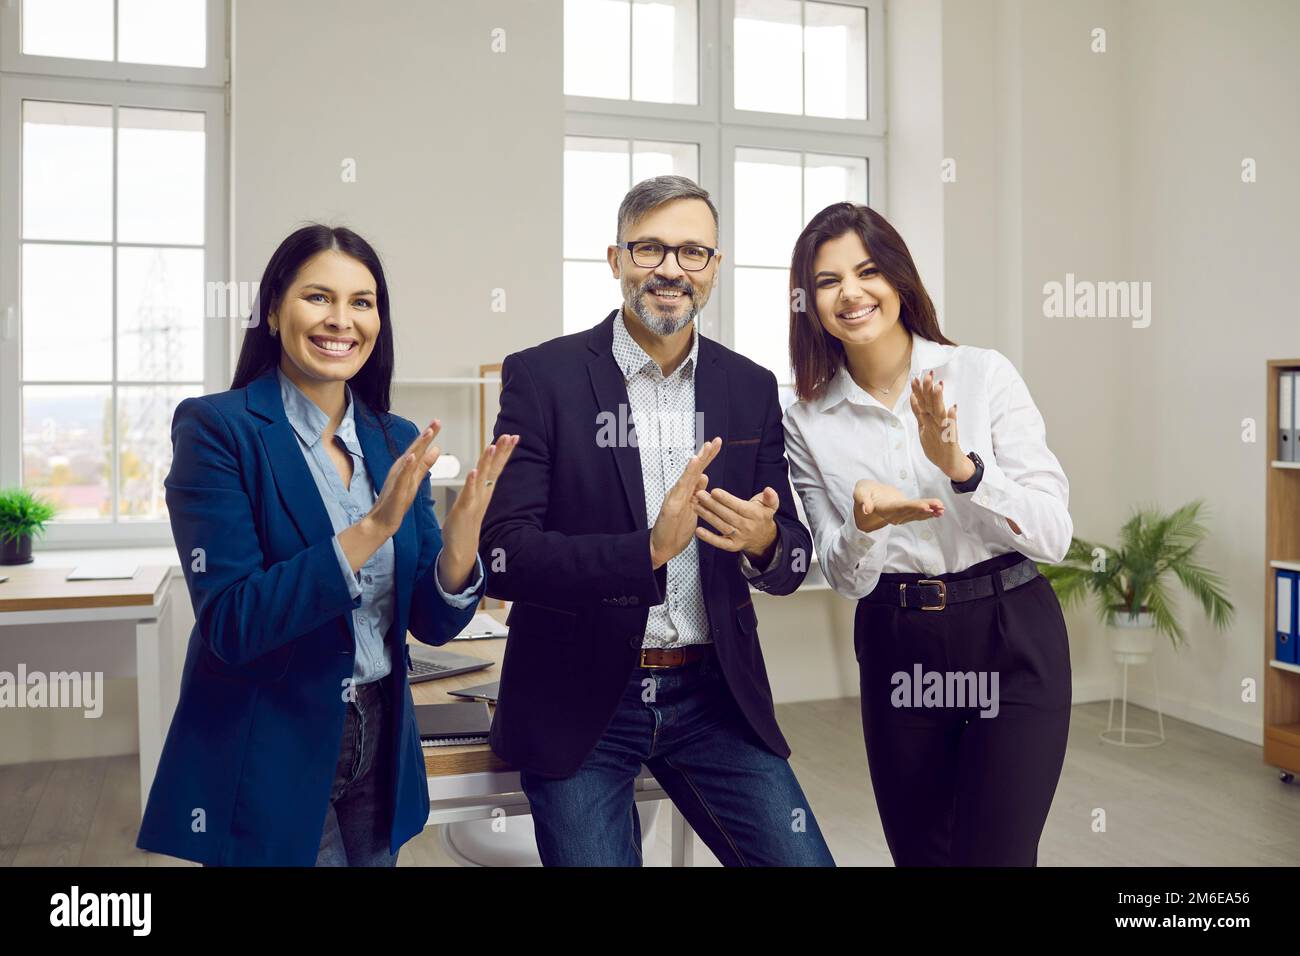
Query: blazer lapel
x=297 y=488
x=292 y=476
x=611 y=396
x=711 y=399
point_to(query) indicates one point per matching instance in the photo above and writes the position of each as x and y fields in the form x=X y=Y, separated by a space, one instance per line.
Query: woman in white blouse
x=931 y=493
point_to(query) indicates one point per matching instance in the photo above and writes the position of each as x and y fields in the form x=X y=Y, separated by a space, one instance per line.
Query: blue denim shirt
x=347 y=506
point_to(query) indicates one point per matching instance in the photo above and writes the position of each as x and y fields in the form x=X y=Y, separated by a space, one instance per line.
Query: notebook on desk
x=102 y=569
x=450 y=725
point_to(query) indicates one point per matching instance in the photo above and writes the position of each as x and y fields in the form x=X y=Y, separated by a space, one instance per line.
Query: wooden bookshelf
x=1282 y=548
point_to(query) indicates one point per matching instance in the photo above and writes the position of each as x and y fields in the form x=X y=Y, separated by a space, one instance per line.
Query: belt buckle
x=643 y=663
x=943 y=595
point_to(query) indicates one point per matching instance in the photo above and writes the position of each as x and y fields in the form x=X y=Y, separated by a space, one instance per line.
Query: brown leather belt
x=673 y=656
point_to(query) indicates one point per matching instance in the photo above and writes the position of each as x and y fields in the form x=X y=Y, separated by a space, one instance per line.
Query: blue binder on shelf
x=1284 y=643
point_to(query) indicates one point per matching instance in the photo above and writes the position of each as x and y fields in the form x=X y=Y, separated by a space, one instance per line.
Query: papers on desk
x=102 y=569
x=482 y=626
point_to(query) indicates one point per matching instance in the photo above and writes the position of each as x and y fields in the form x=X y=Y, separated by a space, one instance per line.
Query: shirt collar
x=926 y=354
x=309 y=420
x=631 y=358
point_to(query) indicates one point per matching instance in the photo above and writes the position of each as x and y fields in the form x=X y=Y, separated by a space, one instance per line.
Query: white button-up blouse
x=846 y=435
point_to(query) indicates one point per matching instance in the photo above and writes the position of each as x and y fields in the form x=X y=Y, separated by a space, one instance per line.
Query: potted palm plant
x=22 y=515
x=1131 y=583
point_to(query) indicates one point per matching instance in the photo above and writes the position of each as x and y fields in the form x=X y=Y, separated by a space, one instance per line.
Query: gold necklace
x=906 y=365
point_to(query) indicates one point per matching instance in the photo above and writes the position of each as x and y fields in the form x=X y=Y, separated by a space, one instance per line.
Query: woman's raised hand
x=461 y=530
x=403 y=480
x=936 y=426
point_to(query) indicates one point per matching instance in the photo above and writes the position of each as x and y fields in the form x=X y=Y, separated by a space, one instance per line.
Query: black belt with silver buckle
x=931 y=594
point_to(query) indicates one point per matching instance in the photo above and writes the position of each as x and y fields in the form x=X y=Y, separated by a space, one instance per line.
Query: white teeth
x=333 y=346
x=859 y=314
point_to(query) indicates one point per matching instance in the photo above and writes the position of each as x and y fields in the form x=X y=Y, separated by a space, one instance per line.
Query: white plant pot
x=1132 y=640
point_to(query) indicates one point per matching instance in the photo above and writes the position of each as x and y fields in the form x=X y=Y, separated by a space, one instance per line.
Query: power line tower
x=159 y=339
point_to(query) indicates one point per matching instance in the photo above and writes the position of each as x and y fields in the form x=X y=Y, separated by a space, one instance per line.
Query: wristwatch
x=973 y=482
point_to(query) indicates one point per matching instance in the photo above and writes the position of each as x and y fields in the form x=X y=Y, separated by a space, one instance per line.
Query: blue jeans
x=682 y=723
x=357 y=823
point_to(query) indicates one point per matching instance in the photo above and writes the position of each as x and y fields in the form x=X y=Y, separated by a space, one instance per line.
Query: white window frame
x=702 y=135
x=706 y=106
x=215 y=72
x=873 y=125
x=719 y=129
x=114 y=91
x=870 y=148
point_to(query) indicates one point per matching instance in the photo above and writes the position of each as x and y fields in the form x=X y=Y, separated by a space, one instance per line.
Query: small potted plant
x=22 y=514
x=1131 y=582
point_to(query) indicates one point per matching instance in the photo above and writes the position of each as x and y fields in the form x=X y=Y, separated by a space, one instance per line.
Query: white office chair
x=475 y=843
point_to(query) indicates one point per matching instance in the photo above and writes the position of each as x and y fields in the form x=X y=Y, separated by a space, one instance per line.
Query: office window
x=805 y=58
x=777 y=192
x=645 y=50
x=158 y=32
x=597 y=174
x=111 y=229
x=787 y=121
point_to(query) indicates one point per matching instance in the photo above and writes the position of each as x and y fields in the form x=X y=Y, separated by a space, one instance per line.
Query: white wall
x=914 y=97
x=1125 y=165
x=458 y=153
x=1209 y=85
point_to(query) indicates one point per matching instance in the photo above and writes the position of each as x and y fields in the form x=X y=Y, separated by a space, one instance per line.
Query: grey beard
x=660 y=326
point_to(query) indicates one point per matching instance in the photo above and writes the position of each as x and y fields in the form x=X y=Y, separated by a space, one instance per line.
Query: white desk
x=481 y=795
x=37 y=593
x=470 y=782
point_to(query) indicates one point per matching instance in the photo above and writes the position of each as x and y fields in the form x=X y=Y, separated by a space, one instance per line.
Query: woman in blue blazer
x=302 y=515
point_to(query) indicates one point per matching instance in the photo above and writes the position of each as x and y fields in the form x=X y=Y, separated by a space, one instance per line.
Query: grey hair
x=650 y=194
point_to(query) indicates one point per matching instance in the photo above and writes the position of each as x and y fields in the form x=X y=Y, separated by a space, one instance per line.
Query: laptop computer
x=431 y=663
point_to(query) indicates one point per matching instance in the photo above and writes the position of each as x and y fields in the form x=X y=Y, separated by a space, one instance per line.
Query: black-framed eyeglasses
x=648 y=254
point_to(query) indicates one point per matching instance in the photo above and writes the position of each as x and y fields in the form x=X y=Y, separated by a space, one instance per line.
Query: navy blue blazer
x=567 y=536
x=249 y=759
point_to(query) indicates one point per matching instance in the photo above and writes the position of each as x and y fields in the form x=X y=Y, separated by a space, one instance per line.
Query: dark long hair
x=815 y=354
x=261 y=350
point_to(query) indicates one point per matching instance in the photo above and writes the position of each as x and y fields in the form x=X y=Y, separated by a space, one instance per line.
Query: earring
x=273 y=331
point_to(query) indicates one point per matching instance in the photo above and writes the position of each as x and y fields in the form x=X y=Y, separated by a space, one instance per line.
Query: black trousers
x=966 y=713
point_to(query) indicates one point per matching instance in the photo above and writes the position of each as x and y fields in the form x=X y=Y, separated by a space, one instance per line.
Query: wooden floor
x=1201 y=799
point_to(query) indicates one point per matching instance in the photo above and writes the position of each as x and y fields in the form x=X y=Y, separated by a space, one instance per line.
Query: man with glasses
x=628 y=544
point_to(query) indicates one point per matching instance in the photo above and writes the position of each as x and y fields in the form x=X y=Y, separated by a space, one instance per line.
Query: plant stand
x=1120 y=736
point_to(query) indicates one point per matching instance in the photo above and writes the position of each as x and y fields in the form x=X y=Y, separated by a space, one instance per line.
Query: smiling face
x=667 y=297
x=328 y=319
x=854 y=301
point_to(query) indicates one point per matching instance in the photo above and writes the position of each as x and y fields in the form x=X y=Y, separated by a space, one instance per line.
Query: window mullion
x=114 y=464
x=803 y=58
